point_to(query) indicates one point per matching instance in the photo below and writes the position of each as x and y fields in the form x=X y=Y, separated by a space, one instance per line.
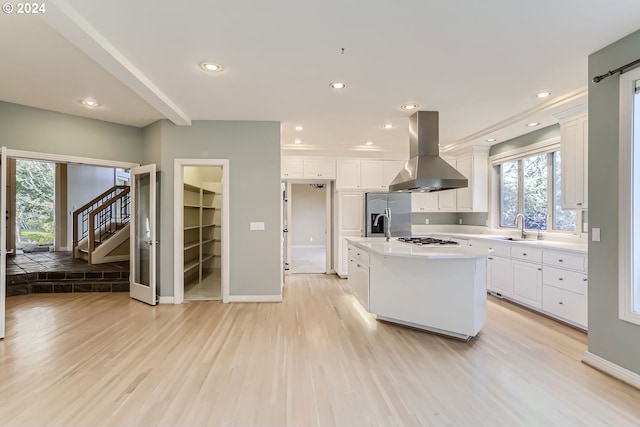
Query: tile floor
x=54 y=272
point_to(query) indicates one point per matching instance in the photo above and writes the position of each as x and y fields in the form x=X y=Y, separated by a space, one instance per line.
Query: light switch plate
x=595 y=234
x=426 y=221
x=256 y=226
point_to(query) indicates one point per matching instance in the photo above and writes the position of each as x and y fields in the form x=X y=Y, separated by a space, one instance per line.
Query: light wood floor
x=313 y=360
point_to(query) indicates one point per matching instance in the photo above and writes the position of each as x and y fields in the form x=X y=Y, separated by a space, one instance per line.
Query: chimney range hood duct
x=425 y=171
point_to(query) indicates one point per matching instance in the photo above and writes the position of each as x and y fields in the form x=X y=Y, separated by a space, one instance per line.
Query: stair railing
x=108 y=219
x=82 y=216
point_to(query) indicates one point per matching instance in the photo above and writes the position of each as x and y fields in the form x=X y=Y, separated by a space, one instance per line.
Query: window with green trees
x=531 y=186
x=35 y=202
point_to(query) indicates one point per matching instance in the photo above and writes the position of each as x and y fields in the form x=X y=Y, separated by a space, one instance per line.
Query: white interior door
x=142 y=280
x=3 y=237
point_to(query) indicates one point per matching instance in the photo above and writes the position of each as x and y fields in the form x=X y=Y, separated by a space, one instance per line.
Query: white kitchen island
x=441 y=289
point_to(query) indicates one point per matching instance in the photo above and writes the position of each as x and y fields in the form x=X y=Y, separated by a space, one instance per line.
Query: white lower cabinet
x=359 y=274
x=565 y=304
x=551 y=281
x=527 y=283
x=499 y=271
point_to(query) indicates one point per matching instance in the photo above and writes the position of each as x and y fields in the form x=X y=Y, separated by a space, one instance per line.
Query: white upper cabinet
x=574 y=157
x=475 y=167
x=424 y=202
x=319 y=168
x=375 y=175
x=447 y=198
x=378 y=174
x=371 y=174
x=348 y=174
x=293 y=168
x=390 y=169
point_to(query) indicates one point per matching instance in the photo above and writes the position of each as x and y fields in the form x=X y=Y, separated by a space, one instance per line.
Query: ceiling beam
x=63 y=18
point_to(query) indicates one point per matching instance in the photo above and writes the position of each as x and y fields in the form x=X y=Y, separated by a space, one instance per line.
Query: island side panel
x=438 y=294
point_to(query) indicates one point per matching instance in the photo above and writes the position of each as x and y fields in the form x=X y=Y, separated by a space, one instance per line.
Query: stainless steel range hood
x=425 y=171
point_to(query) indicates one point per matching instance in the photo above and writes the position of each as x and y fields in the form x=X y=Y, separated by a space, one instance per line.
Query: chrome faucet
x=523 y=233
x=387 y=224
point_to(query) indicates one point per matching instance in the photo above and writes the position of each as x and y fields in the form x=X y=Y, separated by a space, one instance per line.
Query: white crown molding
x=63 y=18
x=612 y=369
x=569 y=100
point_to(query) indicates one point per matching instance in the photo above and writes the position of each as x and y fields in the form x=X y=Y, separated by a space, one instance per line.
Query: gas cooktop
x=427 y=241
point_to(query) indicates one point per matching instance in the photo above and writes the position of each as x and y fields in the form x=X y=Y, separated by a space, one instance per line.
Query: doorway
x=308 y=227
x=201 y=189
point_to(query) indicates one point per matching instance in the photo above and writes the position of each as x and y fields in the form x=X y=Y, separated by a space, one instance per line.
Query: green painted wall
x=526 y=139
x=609 y=337
x=33 y=129
x=253 y=150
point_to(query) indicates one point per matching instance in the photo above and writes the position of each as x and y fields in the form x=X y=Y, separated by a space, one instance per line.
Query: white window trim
x=542 y=147
x=627 y=271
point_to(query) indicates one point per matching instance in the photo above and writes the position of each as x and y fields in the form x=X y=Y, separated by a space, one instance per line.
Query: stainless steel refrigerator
x=400 y=206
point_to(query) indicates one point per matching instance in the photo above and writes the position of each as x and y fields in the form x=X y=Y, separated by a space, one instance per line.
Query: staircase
x=101 y=227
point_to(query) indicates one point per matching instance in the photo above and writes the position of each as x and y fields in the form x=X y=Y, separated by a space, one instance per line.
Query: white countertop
x=402 y=249
x=544 y=244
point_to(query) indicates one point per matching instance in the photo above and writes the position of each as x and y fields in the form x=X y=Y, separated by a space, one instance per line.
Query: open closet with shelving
x=202 y=232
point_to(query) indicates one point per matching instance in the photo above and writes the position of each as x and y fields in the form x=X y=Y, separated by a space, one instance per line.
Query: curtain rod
x=620 y=70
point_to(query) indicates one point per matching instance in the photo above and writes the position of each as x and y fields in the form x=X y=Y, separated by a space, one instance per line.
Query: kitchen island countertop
x=402 y=249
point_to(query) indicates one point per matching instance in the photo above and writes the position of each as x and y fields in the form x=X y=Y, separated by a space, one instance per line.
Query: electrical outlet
x=460 y=221
x=426 y=221
x=595 y=234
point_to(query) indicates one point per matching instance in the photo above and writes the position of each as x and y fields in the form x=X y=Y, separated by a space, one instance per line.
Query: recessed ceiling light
x=388 y=126
x=409 y=107
x=490 y=140
x=211 y=66
x=338 y=85
x=532 y=124
x=89 y=102
x=299 y=128
x=543 y=94
x=296 y=141
x=369 y=142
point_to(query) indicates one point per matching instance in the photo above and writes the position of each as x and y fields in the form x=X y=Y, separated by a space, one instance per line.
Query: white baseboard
x=612 y=369
x=165 y=300
x=255 y=298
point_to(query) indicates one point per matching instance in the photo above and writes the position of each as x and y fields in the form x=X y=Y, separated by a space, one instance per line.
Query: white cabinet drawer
x=564 y=260
x=500 y=250
x=565 y=304
x=526 y=253
x=360 y=256
x=570 y=280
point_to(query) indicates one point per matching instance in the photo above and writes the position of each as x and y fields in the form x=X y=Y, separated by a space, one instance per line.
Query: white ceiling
x=479 y=63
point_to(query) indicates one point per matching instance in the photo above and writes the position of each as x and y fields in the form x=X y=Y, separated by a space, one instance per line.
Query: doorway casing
x=178 y=215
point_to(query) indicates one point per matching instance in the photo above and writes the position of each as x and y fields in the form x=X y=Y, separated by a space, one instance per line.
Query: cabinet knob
x=490 y=257
x=560 y=278
x=358 y=265
x=524 y=254
x=559 y=260
x=584 y=280
x=560 y=302
x=541 y=270
x=579 y=204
